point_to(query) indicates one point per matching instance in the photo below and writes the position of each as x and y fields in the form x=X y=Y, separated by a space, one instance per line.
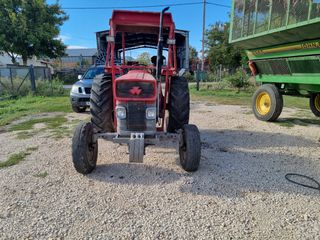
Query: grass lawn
x=11 y=110
x=16 y=158
x=231 y=97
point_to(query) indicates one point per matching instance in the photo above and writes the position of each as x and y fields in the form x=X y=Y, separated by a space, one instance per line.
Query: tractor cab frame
x=127 y=28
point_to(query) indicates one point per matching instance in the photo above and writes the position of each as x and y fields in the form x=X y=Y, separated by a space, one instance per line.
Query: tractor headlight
x=121 y=112
x=151 y=113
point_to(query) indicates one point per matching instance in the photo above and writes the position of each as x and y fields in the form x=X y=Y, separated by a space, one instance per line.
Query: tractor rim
x=317 y=102
x=263 y=103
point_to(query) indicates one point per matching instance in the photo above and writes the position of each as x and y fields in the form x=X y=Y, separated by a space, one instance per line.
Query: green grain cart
x=282 y=41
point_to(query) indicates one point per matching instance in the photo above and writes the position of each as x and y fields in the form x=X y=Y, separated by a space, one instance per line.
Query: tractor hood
x=135 y=75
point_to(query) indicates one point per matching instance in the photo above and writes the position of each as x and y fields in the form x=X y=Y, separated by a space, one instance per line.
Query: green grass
x=26 y=134
x=287 y=124
x=229 y=97
x=291 y=122
x=232 y=97
x=41 y=175
x=51 y=123
x=16 y=158
x=11 y=110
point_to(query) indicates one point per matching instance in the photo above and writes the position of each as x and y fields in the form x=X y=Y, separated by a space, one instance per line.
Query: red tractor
x=130 y=102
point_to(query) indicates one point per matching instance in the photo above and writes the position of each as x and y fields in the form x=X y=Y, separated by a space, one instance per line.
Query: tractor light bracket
x=136 y=147
x=171 y=41
x=110 y=39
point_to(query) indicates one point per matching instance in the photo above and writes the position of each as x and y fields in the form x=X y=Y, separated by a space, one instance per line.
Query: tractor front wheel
x=84 y=149
x=315 y=104
x=267 y=103
x=190 y=148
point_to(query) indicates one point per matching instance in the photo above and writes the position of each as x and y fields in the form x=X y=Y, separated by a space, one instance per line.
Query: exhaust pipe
x=160 y=46
x=159 y=60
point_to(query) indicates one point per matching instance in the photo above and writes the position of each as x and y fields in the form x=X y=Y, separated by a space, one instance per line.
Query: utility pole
x=203 y=32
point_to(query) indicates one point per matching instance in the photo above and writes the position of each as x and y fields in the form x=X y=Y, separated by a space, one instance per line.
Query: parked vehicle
x=81 y=90
x=128 y=104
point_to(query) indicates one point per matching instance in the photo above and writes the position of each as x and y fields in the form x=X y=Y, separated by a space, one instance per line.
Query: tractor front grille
x=128 y=89
x=136 y=116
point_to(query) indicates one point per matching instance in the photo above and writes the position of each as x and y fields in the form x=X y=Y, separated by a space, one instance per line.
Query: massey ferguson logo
x=135 y=90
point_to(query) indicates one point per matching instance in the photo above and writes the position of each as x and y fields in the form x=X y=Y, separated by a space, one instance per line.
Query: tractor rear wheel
x=315 y=104
x=84 y=150
x=101 y=102
x=190 y=148
x=267 y=103
x=179 y=104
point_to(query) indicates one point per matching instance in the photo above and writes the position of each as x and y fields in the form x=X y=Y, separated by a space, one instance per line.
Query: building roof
x=85 y=52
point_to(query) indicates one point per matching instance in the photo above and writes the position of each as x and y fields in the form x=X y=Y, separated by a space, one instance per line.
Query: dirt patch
x=38 y=126
x=238 y=192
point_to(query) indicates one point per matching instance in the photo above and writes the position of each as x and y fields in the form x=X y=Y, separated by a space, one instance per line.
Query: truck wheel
x=78 y=109
x=315 y=104
x=190 y=148
x=267 y=103
x=179 y=104
x=84 y=150
x=101 y=102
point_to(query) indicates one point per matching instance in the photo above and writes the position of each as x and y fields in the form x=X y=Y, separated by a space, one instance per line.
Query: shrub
x=50 y=88
x=190 y=77
x=238 y=80
x=16 y=87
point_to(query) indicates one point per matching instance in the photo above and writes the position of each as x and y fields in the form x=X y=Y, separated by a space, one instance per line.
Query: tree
x=31 y=28
x=193 y=59
x=193 y=53
x=219 y=50
x=144 y=58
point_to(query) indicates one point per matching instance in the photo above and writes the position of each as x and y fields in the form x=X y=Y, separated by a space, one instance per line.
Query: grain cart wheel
x=179 y=104
x=101 y=102
x=267 y=103
x=190 y=148
x=84 y=150
x=315 y=104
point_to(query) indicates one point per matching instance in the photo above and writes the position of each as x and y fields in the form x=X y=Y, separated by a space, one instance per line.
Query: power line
x=219 y=5
x=143 y=6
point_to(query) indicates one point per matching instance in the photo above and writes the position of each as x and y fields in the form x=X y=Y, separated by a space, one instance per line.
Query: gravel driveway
x=239 y=191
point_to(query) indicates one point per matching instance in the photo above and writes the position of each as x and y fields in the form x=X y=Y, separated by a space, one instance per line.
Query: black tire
x=314 y=103
x=84 y=150
x=179 y=104
x=190 y=148
x=101 y=102
x=78 y=109
x=268 y=110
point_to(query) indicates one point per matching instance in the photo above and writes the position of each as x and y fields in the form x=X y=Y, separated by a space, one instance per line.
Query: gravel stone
x=239 y=191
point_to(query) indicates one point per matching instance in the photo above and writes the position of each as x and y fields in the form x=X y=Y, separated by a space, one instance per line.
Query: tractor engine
x=135 y=99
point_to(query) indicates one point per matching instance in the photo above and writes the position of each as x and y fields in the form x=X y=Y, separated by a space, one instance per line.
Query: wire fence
x=21 y=80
